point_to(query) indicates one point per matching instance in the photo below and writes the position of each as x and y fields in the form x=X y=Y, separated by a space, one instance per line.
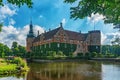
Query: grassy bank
x=12 y=66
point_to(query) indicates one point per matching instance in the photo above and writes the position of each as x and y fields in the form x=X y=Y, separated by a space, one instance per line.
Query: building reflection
x=65 y=71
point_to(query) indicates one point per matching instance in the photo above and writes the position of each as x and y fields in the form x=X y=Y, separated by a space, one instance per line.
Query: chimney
x=45 y=31
x=61 y=24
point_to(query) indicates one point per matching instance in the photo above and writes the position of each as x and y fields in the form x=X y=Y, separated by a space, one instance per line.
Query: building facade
x=63 y=40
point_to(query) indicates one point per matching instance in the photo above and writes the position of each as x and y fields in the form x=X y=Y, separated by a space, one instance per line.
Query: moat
x=83 y=70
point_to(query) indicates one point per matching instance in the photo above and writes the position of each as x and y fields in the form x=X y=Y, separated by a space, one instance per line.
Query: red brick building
x=63 y=40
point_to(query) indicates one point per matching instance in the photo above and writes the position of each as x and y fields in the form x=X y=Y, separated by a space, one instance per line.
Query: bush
x=20 y=62
x=80 y=55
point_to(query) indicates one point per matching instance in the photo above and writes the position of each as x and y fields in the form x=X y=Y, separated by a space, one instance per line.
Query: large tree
x=18 y=50
x=108 y=8
x=18 y=2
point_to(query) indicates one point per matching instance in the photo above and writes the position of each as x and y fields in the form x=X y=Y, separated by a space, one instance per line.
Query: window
x=49 y=45
x=65 y=45
x=45 y=46
x=58 y=45
x=40 y=47
x=96 y=47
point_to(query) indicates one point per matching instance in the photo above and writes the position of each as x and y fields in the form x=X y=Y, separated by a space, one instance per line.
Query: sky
x=45 y=15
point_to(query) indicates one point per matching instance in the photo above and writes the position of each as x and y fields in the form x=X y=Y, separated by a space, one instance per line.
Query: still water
x=70 y=71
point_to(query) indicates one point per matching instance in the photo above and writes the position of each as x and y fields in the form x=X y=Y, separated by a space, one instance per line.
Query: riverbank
x=12 y=66
x=77 y=60
x=106 y=59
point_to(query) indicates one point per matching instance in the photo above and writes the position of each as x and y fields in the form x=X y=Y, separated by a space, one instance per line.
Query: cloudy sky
x=45 y=15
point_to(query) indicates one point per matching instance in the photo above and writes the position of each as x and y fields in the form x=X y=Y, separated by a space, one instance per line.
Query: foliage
x=5 y=69
x=20 y=62
x=80 y=54
x=44 y=50
x=18 y=2
x=94 y=48
x=14 y=45
x=116 y=41
x=18 y=50
x=94 y=54
x=1 y=25
x=4 y=49
x=12 y=66
x=108 y=8
x=113 y=49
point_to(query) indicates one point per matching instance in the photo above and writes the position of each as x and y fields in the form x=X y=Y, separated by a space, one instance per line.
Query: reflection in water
x=65 y=71
x=18 y=76
x=69 y=71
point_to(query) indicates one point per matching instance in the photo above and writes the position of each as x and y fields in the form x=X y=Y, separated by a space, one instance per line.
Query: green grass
x=10 y=68
x=5 y=69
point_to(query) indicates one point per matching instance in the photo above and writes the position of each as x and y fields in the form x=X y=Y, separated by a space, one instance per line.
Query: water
x=83 y=70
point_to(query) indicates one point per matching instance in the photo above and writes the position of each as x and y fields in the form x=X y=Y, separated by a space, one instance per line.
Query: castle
x=63 y=40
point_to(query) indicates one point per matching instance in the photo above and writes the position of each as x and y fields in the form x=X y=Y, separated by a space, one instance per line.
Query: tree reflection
x=65 y=71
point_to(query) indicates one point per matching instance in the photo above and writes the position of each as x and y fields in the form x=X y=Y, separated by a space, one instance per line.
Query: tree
x=14 y=45
x=1 y=27
x=15 y=49
x=1 y=50
x=108 y=8
x=18 y=2
x=116 y=41
x=7 y=50
x=22 y=51
x=4 y=50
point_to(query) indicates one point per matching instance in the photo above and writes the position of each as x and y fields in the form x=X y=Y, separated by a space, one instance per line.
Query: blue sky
x=47 y=14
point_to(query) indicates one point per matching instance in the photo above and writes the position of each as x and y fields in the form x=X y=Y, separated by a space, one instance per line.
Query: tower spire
x=31 y=34
x=61 y=25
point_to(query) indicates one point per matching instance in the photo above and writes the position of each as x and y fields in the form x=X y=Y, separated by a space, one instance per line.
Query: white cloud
x=11 y=22
x=107 y=38
x=41 y=16
x=10 y=34
x=96 y=17
x=103 y=38
x=6 y=11
x=63 y=21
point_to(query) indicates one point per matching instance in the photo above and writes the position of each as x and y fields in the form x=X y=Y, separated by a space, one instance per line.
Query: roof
x=94 y=31
x=47 y=35
x=71 y=35
x=76 y=35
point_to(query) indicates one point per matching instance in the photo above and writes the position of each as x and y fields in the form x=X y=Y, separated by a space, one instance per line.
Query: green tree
x=108 y=8
x=7 y=50
x=1 y=25
x=22 y=51
x=2 y=54
x=116 y=41
x=18 y=2
x=15 y=49
x=14 y=45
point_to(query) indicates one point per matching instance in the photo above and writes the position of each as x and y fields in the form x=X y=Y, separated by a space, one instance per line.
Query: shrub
x=20 y=62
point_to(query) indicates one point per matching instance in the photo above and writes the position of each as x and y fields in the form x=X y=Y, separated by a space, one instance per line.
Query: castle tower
x=94 y=41
x=30 y=38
